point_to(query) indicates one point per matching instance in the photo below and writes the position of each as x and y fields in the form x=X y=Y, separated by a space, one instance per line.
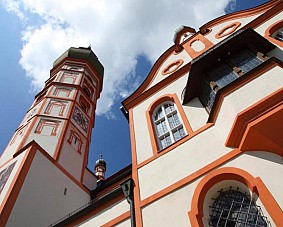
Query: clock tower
x=46 y=159
x=62 y=116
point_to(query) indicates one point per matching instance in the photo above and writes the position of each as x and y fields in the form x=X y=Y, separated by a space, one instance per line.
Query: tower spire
x=100 y=168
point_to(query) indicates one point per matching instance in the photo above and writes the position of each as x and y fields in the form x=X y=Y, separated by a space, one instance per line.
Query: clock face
x=80 y=118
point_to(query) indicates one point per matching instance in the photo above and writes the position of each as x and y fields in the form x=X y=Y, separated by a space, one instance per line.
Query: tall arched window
x=168 y=125
x=234 y=208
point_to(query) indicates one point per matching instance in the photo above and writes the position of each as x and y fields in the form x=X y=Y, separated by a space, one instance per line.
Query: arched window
x=279 y=35
x=274 y=33
x=168 y=125
x=234 y=208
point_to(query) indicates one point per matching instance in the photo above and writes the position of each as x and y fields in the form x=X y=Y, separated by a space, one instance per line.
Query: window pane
x=165 y=142
x=207 y=95
x=179 y=134
x=234 y=208
x=173 y=120
x=169 y=108
x=279 y=35
x=223 y=75
x=158 y=114
x=161 y=127
x=246 y=61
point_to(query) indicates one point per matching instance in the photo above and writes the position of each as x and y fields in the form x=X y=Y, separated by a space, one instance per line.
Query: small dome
x=100 y=162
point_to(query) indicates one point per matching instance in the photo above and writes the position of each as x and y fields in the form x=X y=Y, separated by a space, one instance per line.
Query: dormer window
x=229 y=60
x=225 y=73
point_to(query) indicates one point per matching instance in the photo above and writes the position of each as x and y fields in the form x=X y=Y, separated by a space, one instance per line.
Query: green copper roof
x=83 y=54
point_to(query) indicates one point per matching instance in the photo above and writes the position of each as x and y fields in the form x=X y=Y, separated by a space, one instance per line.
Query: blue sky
x=127 y=36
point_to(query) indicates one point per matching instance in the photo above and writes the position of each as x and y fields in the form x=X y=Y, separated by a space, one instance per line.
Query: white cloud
x=118 y=32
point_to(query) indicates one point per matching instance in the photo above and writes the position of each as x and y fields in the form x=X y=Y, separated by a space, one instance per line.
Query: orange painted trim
x=5 y=162
x=66 y=125
x=259 y=140
x=248 y=77
x=54 y=162
x=84 y=63
x=275 y=9
x=84 y=164
x=16 y=185
x=271 y=30
x=227 y=30
x=239 y=14
x=118 y=219
x=55 y=103
x=232 y=173
x=159 y=86
x=251 y=113
x=198 y=37
x=135 y=176
x=174 y=145
x=73 y=76
x=44 y=122
x=177 y=38
x=192 y=177
x=168 y=97
x=172 y=67
x=272 y=8
x=149 y=78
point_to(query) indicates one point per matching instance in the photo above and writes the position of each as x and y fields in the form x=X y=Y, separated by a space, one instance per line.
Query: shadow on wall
x=194 y=103
x=266 y=155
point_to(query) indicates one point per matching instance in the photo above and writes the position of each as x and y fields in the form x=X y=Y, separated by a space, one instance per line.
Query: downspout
x=127 y=187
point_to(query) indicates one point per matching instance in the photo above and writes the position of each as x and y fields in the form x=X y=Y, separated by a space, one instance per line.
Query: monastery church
x=206 y=131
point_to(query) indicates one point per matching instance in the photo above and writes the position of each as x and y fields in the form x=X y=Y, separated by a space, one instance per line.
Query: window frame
x=255 y=185
x=212 y=86
x=168 y=98
x=170 y=130
x=271 y=30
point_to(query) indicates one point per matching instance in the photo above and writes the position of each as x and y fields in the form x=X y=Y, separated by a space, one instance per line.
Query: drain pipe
x=127 y=187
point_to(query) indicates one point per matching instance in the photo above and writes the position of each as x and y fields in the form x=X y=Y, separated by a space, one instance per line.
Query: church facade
x=206 y=136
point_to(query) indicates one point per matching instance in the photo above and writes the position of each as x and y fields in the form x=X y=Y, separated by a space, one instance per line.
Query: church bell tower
x=58 y=128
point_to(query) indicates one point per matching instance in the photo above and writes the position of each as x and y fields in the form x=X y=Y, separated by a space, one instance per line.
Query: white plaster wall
x=263 y=27
x=266 y=165
x=246 y=96
x=70 y=159
x=143 y=144
x=11 y=148
x=196 y=113
x=173 y=57
x=170 y=210
x=47 y=142
x=126 y=223
x=180 y=162
x=178 y=203
x=107 y=215
x=89 y=180
x=218 y=27
x=189 y=156
x=55 y=110
x=31 y=113
x=41 y=200
x=71 y=93
x=69 y=80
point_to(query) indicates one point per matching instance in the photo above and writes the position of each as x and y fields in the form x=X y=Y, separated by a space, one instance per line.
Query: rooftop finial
x=100 y=168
